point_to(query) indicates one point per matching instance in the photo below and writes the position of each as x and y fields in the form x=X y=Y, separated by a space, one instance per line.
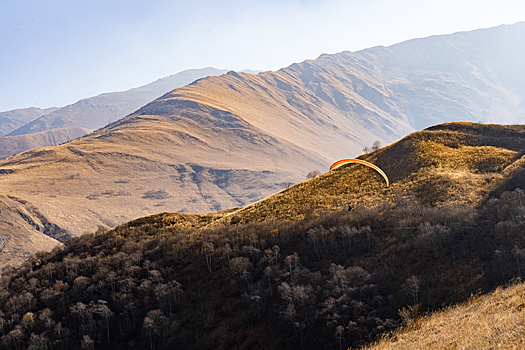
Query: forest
x=330 y=281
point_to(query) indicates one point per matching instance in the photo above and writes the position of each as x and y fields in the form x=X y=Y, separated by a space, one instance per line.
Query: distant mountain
x=88 y=114
x=467 y=76
x=10 y=145
x=95 y=112
x=230 y=140
x=11 y=120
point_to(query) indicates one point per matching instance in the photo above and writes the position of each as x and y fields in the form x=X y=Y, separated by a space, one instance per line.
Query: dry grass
x=493 y=321
x=453 y=164
x=457 y=164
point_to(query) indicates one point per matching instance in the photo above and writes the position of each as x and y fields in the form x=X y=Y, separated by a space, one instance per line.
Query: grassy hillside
x=10 y=145
x=296 y=270
x=227 y=141
x=453 y=164
x=483 y=322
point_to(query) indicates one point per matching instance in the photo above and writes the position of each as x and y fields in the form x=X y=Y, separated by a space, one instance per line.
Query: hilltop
x=227 y=141
x=295 y=270
x=455 y=164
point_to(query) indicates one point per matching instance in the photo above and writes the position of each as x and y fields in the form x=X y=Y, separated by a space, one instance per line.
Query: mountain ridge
x=227 y=141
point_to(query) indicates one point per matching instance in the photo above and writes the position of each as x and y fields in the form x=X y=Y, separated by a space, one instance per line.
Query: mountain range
x=25 y=129
x=228 y=141
x=12 y=120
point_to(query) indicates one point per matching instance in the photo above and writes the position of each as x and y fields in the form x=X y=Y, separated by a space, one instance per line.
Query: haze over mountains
x=230 y=140
x=84 y=116
x=12 y=120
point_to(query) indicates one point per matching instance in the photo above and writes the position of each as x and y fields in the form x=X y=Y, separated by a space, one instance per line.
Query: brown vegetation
x=332 y=280
x=296 y=270
x=493 y=321
x=453 y=164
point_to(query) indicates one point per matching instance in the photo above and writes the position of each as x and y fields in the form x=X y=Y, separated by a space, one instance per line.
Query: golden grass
x=438 y=167
x=493 y=321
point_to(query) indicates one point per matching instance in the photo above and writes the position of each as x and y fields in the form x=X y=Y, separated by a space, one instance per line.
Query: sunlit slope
x=26 y=229
x=154 y=165
x=449 y=164
x=321 y=113
x=228 y=141
x=493 y=321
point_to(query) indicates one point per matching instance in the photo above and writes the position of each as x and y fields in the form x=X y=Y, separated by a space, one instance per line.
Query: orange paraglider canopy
x=363 y=162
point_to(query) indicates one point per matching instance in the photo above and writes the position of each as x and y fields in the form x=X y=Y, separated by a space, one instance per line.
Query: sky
x=56 y=52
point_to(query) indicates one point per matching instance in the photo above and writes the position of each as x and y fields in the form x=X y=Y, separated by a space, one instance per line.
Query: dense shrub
x=330 y=281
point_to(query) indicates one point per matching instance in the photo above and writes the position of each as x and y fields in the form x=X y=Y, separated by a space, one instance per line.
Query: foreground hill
x=227 y=141
x=483 y=322
x=310 y=276
x=455 y=164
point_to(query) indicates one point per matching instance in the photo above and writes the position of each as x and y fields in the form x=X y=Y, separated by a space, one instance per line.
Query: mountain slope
x=450 y=164
x=95 y=112
x=227 y=141
x=10 y=145
x=494 y=320
x=468 y=76
x=11 y=120
x=309 y=275
x=27 y=231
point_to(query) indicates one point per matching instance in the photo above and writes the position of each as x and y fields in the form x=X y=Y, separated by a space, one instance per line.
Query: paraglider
x=363 y=162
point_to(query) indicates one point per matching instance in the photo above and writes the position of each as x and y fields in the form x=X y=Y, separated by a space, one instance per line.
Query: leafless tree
x=375 y=146
x=339 y=334
x=87 y=343
x=208 y=249
x=312 y=174
x=101 y=309
x=412 y=290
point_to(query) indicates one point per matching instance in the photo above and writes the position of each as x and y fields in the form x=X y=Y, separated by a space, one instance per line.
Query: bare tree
x=154 y=324
x=339 y=334
x=87 y=343
x=412 y=290
x=239 y=266
x=38 y=342
x=100 y=308
x=375 y=146
x=312 y=174
x=208 y=249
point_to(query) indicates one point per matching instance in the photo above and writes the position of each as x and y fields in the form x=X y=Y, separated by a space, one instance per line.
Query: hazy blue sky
x=55 y=52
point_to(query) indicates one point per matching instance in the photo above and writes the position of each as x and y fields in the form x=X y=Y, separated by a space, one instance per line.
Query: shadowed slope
x=228 y=278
